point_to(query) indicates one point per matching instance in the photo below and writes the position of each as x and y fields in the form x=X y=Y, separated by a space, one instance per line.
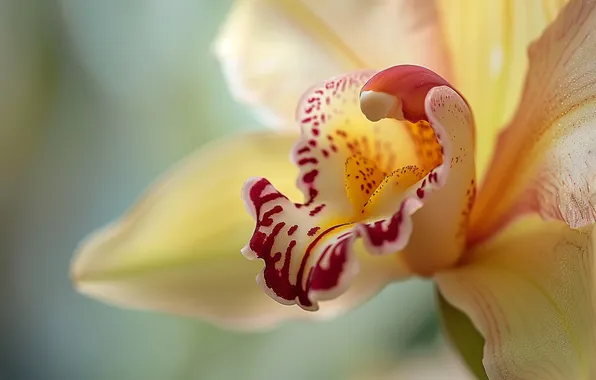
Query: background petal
x=488 y=43
x=178 y=249
x=531 y=294
x=544 y=160
x=315 y=40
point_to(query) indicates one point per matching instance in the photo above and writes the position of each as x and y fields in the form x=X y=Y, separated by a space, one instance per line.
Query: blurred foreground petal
x=272 y=51
x=488 y=42
x=530 y=293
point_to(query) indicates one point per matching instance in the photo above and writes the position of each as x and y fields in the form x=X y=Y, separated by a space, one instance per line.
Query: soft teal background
x=96 y=99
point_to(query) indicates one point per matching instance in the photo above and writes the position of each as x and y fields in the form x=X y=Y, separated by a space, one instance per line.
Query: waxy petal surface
x=271 y=51
x=531 y=293
x=545 y=159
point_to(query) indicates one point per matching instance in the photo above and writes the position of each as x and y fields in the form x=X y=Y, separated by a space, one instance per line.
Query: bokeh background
x=97 y=98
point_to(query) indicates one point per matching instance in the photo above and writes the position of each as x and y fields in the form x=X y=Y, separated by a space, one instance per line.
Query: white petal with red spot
x=299 y=257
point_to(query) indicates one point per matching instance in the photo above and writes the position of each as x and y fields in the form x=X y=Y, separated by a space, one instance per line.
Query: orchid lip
x=369 y=157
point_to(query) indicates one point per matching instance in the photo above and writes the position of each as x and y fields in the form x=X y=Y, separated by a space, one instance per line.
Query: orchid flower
x=386 y=164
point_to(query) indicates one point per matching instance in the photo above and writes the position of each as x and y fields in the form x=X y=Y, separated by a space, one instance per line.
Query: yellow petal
x=271 y=51
x=488 y=41
x=178 y=249
x=544 y=160
x=531 y=293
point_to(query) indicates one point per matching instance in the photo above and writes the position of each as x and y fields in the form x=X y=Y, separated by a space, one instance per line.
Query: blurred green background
x=97 y=98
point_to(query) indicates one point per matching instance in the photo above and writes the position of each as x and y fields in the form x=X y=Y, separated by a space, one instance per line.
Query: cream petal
x=178 y=249
x=544 y=160
x=530 y=293
x=272 y=50
x=488 y=42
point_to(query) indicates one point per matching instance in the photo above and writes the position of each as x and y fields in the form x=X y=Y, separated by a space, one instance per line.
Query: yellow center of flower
x=372 y=174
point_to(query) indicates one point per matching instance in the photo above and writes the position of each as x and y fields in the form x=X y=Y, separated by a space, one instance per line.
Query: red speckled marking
x=293 y=260
x=313 y=231
x=383 y=231
x=262 y=242
x=465 y=213
x=319 y=263
x=309 y=160
x=316 y=210
x=332 y=264
x=310 y=176
x=292 y=230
